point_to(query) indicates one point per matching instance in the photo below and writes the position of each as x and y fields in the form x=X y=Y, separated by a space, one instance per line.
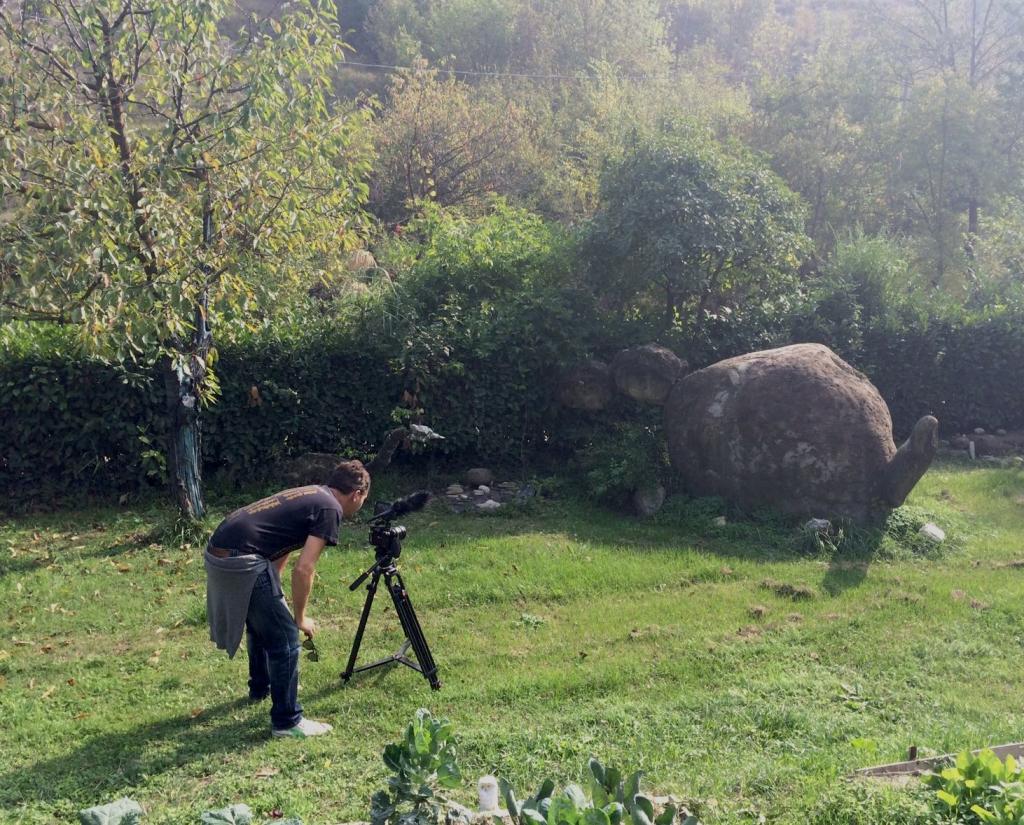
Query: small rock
x=463 y=497
x=477 y=476
x=1017 y=462
x=490 y=504
x=508 y=485
x=933 y=533
x=818 y=525
x=1000 y=431
x=720 y=521
x=454 y=489
x=479 y=492
x=979 y=430
x=483 y=488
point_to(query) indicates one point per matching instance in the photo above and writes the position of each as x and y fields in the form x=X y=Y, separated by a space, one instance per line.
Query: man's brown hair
x=349 y=477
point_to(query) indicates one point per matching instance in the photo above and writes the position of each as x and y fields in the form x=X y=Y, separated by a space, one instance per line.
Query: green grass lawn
x=562 y=632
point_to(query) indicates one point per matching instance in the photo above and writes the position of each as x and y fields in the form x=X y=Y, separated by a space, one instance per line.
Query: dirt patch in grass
x=785 y=590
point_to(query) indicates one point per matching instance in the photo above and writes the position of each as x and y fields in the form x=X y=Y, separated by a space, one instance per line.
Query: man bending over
x=245 y=558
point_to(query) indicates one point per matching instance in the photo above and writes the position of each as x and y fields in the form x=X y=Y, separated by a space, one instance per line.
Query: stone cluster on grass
x=479 y=492
x=1002 y=448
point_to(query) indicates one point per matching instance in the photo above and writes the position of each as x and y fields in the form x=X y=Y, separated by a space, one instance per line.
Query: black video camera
x=387 y=538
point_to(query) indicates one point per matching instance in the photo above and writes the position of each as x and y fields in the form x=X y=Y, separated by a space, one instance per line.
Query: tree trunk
x=184 y=443
x=182 y=391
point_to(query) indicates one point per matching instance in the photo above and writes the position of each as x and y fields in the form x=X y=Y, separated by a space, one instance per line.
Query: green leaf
x=232 y=815
x=123 y=811
x=983 y=814
x=392 y=757
x=535 y=816
x=575 y=793
x=545 y=790
x=947 y=797
x=511 y=803
x=448 y=775
x=563 y=811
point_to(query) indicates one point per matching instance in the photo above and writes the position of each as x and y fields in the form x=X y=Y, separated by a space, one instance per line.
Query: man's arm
x=302 y=581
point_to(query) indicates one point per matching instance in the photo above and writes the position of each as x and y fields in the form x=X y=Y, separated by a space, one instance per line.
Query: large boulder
x=796 y=429
x=647 y=373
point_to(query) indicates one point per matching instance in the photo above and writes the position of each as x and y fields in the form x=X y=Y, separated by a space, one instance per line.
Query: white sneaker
x=304 y=728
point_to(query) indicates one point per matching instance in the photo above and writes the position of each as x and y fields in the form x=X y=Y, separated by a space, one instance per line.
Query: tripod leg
x=371 y=589
x=413 y=632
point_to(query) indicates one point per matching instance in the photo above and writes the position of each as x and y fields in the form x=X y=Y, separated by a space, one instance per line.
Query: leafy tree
x=159 y=180
x=825 y=126
x=443 y=140
x=686 y=225
x=961 y=127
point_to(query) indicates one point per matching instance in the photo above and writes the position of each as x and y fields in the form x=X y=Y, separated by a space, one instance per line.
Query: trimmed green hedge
x=76 y=425
x=967 y=372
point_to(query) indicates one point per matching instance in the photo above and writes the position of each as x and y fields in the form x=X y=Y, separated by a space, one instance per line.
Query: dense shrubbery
x=465 y=327
x=468 y=340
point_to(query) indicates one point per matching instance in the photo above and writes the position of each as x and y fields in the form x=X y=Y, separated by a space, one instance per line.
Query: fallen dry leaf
x=48 y=692
x=196 y=712
x=266 y=772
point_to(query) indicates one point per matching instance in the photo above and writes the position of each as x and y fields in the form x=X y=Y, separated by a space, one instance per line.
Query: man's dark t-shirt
x=280 y=523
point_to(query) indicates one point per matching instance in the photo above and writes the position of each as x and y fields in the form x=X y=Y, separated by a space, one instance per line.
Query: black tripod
x=414 y=638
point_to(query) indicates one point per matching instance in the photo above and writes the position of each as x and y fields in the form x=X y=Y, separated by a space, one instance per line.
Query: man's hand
x=302 y=581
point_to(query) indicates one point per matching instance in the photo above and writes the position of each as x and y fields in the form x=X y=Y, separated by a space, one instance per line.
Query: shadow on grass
x=845 y=573
x=759 y=538
x=106 y=765
x=42 y=560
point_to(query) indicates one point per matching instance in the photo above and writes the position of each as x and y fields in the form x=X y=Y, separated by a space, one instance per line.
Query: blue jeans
x=272 y=639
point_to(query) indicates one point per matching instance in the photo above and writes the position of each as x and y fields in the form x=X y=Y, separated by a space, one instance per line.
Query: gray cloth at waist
x=229 y=583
